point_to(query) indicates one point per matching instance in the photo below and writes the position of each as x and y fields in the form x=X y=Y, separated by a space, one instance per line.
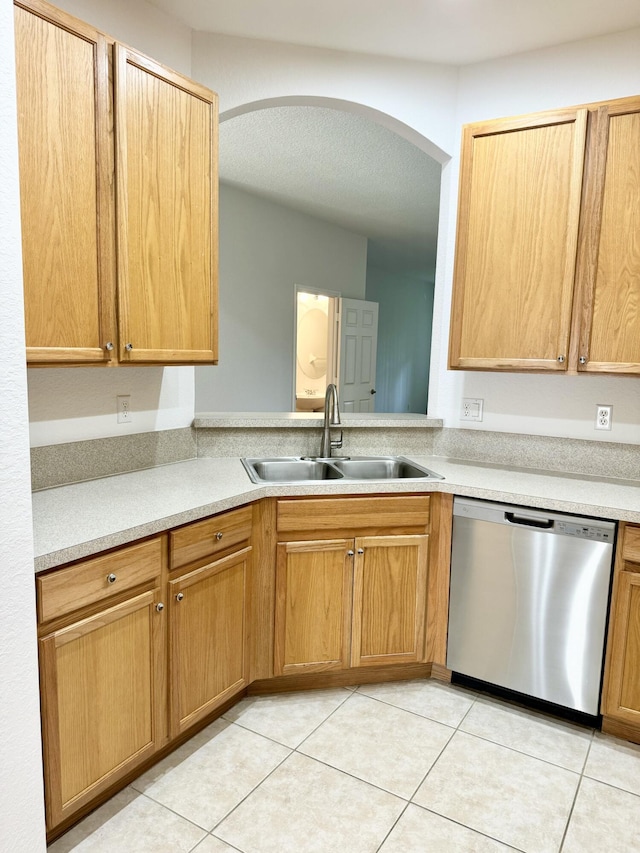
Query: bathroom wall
x=265 y=250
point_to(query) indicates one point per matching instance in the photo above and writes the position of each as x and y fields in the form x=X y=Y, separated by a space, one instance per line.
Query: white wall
x=590 y=70
x=21 y=803
x=139 y=25
x=242 y=71
x=74 y=404
x=265 y=250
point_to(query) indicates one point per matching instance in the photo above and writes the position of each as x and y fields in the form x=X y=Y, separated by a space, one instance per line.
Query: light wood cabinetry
x=389 y=600
x=345 y=600
x=102 y=671
x=313 y=605
x=154 y=251
x=208 y=616
x=608 y=298
x=621 y=693
x=547 y=267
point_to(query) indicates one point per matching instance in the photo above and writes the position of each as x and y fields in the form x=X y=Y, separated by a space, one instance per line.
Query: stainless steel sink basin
x=289 y=469
x=383 y=468
x=295 y=469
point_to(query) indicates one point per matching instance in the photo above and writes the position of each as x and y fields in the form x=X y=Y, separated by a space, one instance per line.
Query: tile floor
x=396 y=768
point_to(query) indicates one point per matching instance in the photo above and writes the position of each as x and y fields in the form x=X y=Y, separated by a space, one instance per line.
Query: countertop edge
x=617 y=500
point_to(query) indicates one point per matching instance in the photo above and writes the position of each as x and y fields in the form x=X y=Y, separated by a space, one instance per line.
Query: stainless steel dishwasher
x=529 y=597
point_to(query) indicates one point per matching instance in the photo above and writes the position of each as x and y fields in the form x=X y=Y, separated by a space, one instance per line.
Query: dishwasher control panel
x=584 y=531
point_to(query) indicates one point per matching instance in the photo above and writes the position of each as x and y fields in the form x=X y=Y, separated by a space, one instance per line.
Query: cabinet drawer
x=209 y=537
x=66 y=590
x=353 y=513
x=631 y=544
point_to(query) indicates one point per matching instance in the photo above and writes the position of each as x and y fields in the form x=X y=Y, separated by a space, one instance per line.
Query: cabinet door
x=313 y=605
x=519 y=205
x=622 y=697
x=610 y=248
x=389 y=600
x=166 y=136
x=66 y=163
x=208 y=638
x=103 y=701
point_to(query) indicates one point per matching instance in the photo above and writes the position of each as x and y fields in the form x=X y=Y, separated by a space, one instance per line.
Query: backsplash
x=60 y=464
x=548 y=453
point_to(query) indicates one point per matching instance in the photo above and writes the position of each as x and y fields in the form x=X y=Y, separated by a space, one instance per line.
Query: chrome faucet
x=331 y=419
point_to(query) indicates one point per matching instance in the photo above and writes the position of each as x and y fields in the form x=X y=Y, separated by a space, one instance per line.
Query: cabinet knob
x=111 y=578
x=360 y=550
x=561 y=359
x=108 y=346
x=349 y=553
x=159 y=607
x=180 y=596
x=128 y=347
x=583 y=359
x=218 y=536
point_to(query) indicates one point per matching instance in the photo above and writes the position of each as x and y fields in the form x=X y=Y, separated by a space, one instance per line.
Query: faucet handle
x=337 y=442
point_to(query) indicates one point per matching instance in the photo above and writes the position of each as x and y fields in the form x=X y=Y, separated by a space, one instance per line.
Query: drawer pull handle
x=111 y=578
x=218 y=536
x=180 y=596
x=159 y=607
x=360 y=550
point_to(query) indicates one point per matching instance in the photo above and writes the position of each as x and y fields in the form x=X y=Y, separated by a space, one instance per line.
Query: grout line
x=392 y=827
x=573 y=805
x=470 y=828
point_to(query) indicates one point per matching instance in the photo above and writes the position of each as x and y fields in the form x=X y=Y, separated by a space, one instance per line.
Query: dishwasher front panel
x=528 y=604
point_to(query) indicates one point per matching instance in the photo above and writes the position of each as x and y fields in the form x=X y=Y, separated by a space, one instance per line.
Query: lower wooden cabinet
x=389 y=600
x=208 y=638
x=313 y=606
x=102 y=676
x=352 y=601
x=621 y=695
x=141 y=644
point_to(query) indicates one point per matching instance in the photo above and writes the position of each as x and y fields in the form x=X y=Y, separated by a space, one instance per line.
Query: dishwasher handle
x=544 y=523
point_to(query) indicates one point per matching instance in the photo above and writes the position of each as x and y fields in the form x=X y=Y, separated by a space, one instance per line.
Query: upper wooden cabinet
x=547 y=273
x=116 y=271
x=608 y=299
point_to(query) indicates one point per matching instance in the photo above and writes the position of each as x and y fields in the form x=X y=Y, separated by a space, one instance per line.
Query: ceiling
x=455 y=32
x=344 y=168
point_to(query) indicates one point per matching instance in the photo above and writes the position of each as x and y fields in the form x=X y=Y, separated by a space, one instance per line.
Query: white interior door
x=358 y=344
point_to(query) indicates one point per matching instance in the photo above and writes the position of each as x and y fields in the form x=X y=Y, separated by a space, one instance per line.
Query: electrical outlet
x=472 y=409
x=603 y=416
x=124 y=409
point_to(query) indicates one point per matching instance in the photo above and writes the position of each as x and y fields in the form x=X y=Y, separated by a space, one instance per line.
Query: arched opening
x=371 y=185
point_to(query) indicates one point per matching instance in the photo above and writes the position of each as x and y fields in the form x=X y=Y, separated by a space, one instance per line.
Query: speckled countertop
x=74 y=521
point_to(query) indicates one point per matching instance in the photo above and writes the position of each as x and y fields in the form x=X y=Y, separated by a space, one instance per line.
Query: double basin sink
x=300 y=469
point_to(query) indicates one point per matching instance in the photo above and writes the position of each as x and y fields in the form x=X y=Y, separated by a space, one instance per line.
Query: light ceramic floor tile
x=212 y=773
x=287 y=717
x=604 y=819
x=616 y=762
x=512 y=797
x=378 y=743
x=307 y=807
x=418 y=831
x=130 y=823
x=429 y=698
x=553 y=740
x=211 y=844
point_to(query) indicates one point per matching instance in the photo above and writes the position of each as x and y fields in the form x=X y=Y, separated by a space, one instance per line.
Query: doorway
x=335 y=342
